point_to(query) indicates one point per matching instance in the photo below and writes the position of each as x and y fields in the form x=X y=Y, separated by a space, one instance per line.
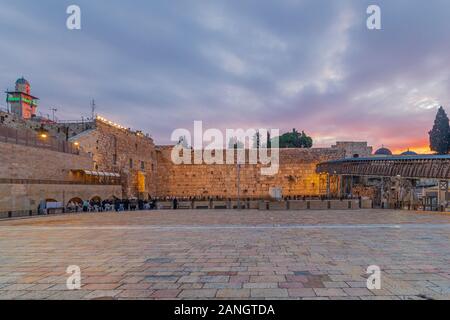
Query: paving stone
x=217 y=285
x=269 y=293
x=189 y=279
x=102 y=294
x=17 y=287
x=291 y=285
x=8 y=295
x=135 y=294
x=335 y=284
x=301 y=292
x=198 y=293
x=330 y=292
x=260 y=285
x=162 y=262
x=165 y=293
x=357 y=292
x=233 y=293
x=66 y=295
x=101 y=286
x=36 y=295
x=161 y=278
x=214 y=278
x=159 y=260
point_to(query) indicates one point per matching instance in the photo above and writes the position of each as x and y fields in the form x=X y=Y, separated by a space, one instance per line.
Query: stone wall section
x=23 y=162
x=296 y=176
x=127 y=152
x=29 y=175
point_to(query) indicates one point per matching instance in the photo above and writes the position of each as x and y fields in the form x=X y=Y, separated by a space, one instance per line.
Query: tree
x=295 y=139
x=440 y=134
x=257 y=140
x=235 y=143
x=183 y=142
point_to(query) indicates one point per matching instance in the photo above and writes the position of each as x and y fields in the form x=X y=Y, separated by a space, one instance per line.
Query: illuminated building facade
x=20 y=101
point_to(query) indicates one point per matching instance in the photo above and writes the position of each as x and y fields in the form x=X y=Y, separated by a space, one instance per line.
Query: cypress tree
x=440 y=134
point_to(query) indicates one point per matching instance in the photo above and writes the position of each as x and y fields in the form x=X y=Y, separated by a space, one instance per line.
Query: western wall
x=296 y=176
x=146 y=170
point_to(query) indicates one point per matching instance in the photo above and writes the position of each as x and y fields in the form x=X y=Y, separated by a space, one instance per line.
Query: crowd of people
x=111 y=205
x=134 y=204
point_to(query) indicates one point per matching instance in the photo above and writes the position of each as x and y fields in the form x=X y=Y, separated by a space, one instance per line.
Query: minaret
x=21 y=102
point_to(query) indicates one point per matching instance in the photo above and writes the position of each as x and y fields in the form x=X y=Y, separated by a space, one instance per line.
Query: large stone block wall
x=124 y=151
x=296 y=176
x=24 y=162
x=22 y=169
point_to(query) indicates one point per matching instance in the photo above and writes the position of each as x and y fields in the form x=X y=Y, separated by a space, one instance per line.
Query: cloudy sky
x=306 y=64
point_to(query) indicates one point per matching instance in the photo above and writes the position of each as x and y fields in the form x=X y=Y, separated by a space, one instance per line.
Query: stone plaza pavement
x=225 y=254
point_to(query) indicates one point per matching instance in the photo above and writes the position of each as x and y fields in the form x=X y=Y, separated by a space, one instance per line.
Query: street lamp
x=43 y=133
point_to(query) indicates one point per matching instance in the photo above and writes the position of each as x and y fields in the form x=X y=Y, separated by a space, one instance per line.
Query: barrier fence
x=34 y=139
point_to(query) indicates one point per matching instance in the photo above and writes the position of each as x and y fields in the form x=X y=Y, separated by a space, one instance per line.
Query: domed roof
x=383 y=152
x=22 y=81
x=409 y=153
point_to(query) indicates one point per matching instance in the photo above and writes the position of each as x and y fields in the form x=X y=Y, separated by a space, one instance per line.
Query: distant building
x=20 y=101
x=353 y=149
x=409 y=153
x=383 y=152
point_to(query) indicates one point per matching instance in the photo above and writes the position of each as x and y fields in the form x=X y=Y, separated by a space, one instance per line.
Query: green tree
x=257 y=140
x=440 y=134
x=295 y=139
x=235 y=143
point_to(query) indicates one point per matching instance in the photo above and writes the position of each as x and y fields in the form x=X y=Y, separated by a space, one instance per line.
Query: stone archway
x=76 y=200
x=74 y=205
x=96 y=199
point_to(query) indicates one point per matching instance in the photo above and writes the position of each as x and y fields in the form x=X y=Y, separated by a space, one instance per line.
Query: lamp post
x=399 y=191
x=53 y=113
x=238 y=169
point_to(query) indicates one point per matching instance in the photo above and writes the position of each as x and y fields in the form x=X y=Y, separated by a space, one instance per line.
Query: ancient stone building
x=353 y=149
x=118 y=149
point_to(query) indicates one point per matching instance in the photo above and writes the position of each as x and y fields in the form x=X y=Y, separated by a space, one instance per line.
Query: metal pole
x=238 y=168
x=328 y=186
x=337 y=186
x=351 y=187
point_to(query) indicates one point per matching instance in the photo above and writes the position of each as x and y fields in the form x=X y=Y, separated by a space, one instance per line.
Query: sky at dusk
x=311 y=65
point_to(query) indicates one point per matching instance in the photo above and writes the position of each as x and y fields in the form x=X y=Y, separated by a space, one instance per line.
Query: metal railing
x=74 y=181
x=33 y=139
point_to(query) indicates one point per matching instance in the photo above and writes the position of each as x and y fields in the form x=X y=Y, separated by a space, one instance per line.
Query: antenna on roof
x=93 y=107
x=53 y=113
